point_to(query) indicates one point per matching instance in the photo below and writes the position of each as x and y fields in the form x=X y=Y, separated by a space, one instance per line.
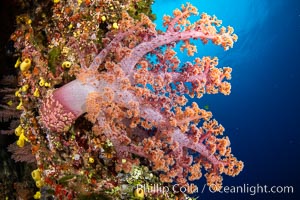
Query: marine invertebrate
x=140 y=105
x=25 y=64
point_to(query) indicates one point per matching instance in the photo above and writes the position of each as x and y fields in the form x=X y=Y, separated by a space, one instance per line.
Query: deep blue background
x=261 y=116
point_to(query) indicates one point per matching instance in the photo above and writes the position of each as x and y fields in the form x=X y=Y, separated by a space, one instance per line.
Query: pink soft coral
x=139 y=105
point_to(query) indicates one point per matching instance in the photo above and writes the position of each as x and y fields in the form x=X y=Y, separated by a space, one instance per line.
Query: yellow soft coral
x=36 y=175
x=25 y=65
x=21 y=140
x=36 y=93
x=37 y=195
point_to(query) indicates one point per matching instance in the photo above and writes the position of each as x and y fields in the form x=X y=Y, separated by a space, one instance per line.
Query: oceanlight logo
x=161 y=189
x=252 y=189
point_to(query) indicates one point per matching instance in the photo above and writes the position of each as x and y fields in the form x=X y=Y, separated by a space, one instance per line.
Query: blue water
x=261 y=116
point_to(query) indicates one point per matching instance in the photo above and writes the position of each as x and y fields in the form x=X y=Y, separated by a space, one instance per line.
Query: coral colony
x=106 y=110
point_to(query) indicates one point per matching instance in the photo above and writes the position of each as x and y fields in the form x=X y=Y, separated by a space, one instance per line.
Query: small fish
x=206 y=107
